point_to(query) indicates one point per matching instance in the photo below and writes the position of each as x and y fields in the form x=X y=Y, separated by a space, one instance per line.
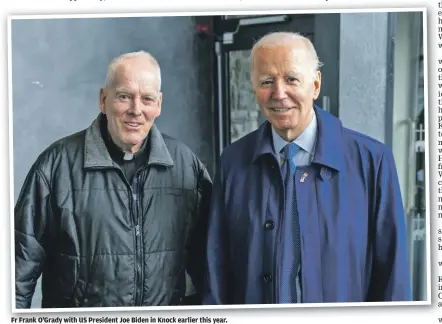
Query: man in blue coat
x=303 y=209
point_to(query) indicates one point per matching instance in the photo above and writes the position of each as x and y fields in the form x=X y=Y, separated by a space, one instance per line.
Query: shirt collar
x=330 y=145
x=306 y=140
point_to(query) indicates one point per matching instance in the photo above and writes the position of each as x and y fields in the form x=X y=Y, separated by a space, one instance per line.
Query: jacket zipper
x=138 y=241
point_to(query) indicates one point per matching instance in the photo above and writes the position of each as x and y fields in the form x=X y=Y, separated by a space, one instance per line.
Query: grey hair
x=286 y=39
x=111 y=71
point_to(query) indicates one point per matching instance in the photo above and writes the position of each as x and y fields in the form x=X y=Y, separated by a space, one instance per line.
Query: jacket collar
x=329 y=149
x=263 y=145
x=97 y=155
x=330 y=141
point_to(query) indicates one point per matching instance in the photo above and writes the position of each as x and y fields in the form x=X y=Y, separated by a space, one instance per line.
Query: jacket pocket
x=66 y=274
x=87 y=294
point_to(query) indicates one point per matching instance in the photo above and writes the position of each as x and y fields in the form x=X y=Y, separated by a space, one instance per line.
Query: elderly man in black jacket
x=114 y=215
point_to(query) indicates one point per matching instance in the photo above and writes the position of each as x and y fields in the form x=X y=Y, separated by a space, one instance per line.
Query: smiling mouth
x=279 y=110
x=133 y=124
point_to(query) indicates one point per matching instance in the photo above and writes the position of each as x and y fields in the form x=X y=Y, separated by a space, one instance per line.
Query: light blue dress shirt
x=306 y=141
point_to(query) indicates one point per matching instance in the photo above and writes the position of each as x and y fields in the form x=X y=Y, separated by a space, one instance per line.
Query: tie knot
x=290 y=150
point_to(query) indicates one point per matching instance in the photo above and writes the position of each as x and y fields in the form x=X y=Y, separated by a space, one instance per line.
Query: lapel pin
x=304 y=175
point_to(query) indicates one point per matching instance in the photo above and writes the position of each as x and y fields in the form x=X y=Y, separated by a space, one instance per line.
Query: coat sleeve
x=197 y=242
x=30 y=220
x=217 y=288
x=390 y=280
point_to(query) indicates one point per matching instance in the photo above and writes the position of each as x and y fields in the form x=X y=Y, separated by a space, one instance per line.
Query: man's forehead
x=282 y=54
x=136 y=87
x=145 y=76
x=281 y=58
x=275 y=65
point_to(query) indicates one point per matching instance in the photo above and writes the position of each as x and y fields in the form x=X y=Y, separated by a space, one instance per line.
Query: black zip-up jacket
x=100 y=241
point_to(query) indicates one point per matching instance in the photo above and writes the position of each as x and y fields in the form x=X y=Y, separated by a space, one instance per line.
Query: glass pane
x=245 y=115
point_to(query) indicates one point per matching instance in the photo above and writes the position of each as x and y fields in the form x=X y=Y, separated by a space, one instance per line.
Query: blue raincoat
x=353 y=234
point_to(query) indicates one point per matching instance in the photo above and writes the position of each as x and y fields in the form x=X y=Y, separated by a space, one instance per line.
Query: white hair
x=111 y=71
x=286 y=39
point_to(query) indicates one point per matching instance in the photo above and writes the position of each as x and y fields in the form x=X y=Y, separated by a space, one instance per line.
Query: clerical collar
x=128 y=156
x=115 y=151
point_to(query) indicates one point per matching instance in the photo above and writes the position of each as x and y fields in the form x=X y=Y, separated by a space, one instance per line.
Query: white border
x=11 y=167
x=220 y=13
x=428 y=200
x=211 y=307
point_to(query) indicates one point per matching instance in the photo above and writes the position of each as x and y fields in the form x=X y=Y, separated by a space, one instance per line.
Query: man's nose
x=135 y=108
x=279 y=90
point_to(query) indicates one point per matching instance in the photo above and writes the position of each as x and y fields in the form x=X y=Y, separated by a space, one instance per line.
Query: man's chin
x=133 y=139
x=285 y=126
x=132 y=143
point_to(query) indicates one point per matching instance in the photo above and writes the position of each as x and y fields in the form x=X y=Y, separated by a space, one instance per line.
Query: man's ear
x=102 y=100
x=317 y=85
x=160 y=102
